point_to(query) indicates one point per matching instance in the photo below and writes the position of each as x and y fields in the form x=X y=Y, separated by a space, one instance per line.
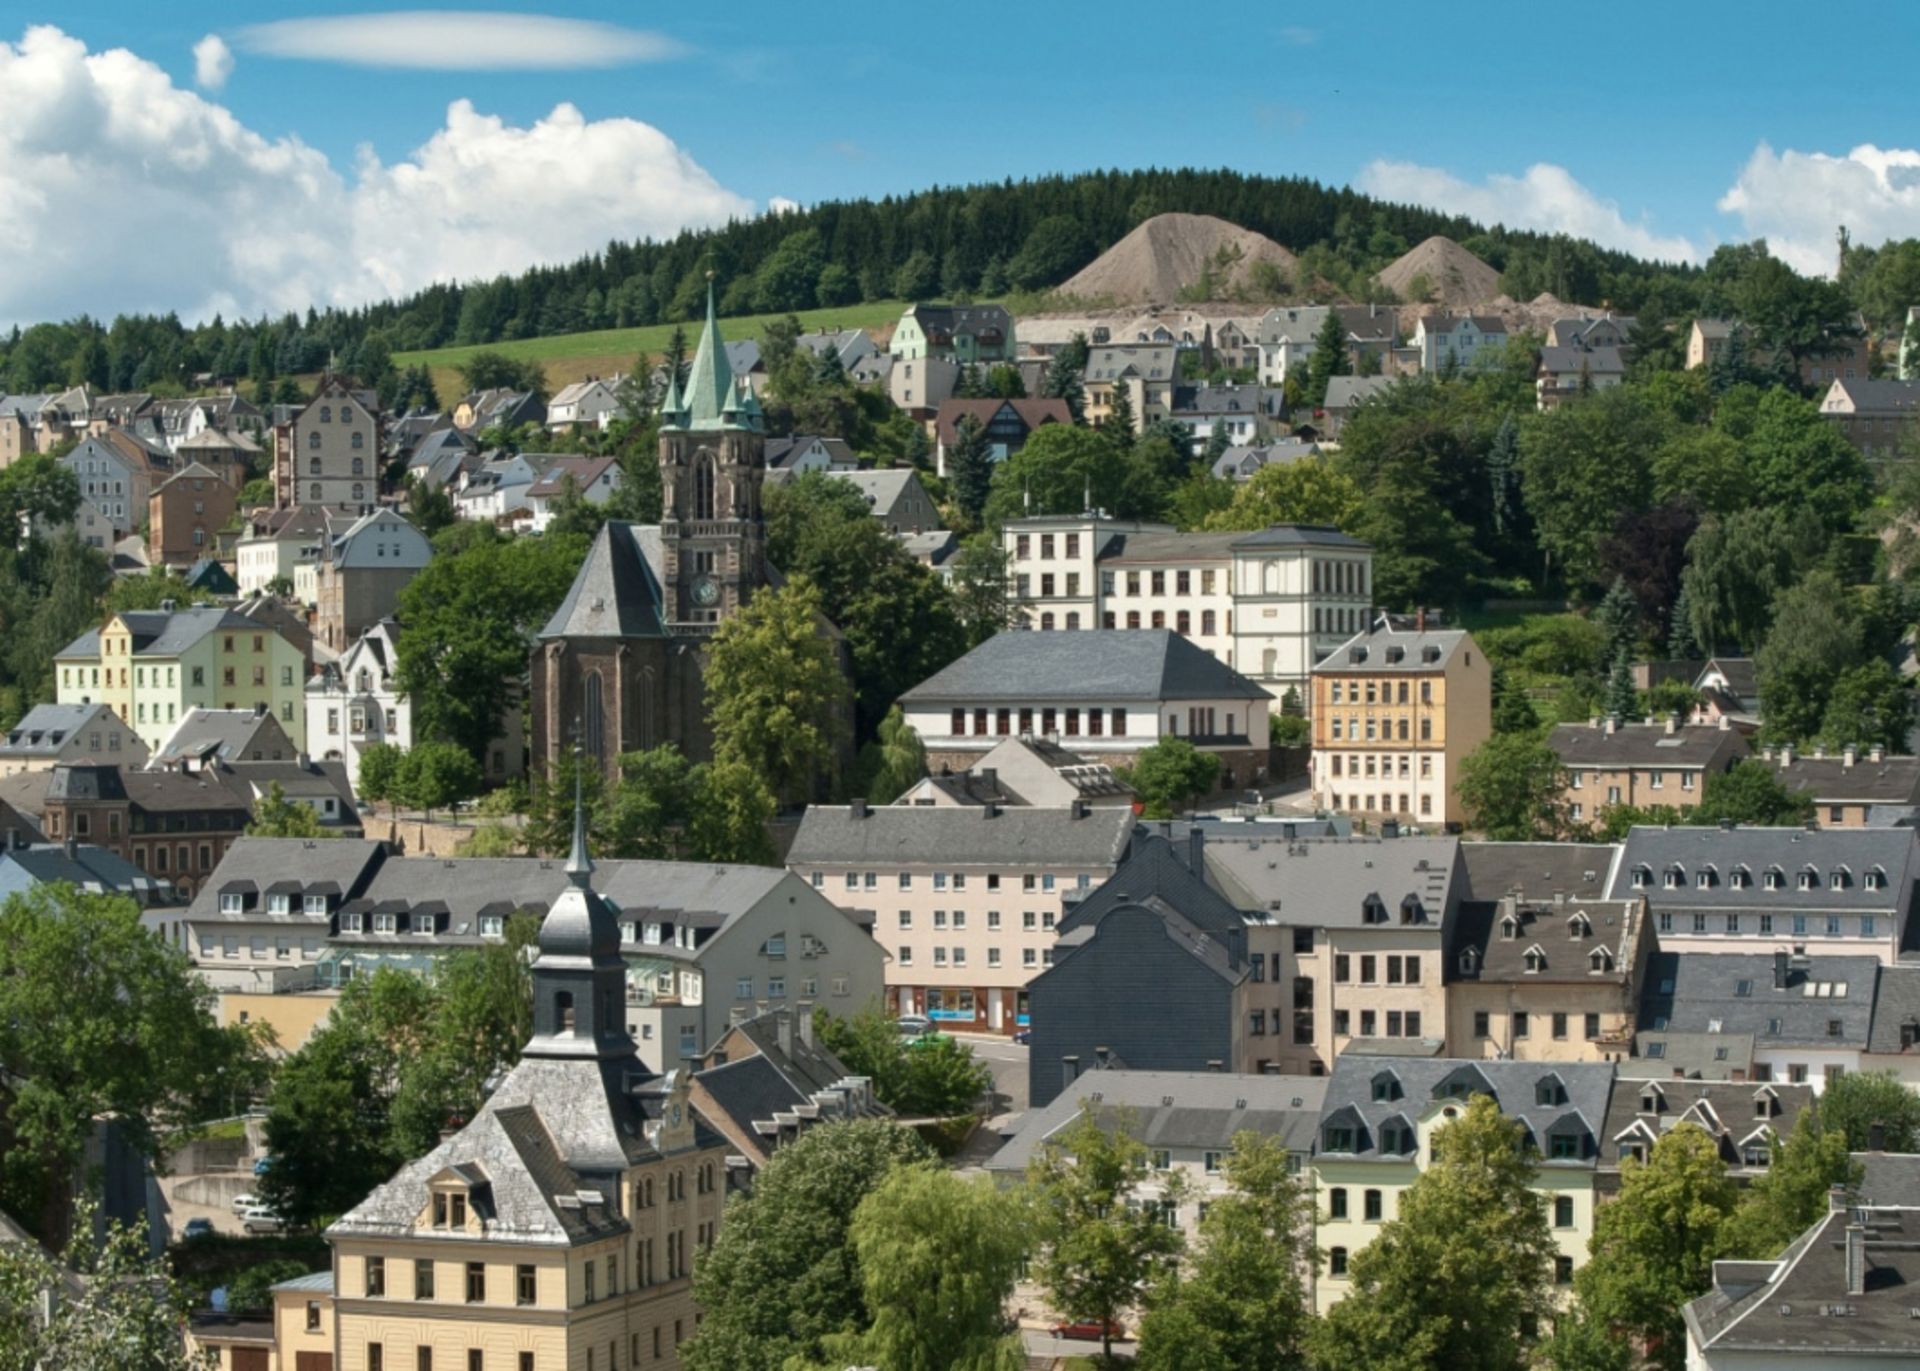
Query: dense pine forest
x=987 y=240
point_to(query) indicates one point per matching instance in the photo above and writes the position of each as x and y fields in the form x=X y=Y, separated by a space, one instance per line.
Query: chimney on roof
x=1613 y=724
x=1780 y=970
x=1725 y=723
x=1197 y=850
x=1673 y=723
x=783 y=1031
x=1877 y=753
x=1420 y=620
x=1848 y=756
x=990 y=810
x=1836 y=1199
x=1102 y=1053
x=1786 y=754
x=1856 y=1255
x=1079 y=809
x=857 y=807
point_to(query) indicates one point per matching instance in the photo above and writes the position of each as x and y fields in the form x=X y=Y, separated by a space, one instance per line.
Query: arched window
x=313 y=466
x=359 y=440
x=313 y=437
x=326 y=414
x=563 y=1011
x=592 y=718
x=703 y=487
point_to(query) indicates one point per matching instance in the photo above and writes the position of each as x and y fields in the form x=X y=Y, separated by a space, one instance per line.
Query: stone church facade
x=621 y=665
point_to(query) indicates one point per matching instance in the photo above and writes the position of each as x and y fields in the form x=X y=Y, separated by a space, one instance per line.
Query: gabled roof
x=380 y=540
x=1689 y=747
x=1033 y=412
x=1652 y=851
x=228 y=734
x=1125 y=664
x=961 y=834
x=45 y=730
x=1515 y=1085
x=619 y=590
x=1827 y=1002
x=1329 y=882
x=584 y=470
x=1386 y=646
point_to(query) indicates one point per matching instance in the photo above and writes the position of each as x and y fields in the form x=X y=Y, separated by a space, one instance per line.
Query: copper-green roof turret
x=673 y=409
x=712 y=399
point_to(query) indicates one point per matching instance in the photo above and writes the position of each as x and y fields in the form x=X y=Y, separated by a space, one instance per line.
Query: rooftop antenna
x=1086 y=497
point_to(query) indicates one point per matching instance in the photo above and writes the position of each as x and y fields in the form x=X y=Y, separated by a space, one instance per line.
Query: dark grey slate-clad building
x=1159 y=989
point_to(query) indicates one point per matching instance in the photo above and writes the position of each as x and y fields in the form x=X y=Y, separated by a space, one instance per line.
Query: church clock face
x=706 y=592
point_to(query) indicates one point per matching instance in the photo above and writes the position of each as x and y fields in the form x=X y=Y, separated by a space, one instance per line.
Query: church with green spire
x=620 y=666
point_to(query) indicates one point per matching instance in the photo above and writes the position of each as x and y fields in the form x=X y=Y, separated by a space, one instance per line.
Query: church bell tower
x=712 y=467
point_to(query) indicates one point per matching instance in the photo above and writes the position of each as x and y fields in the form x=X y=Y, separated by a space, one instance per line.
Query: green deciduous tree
x=970 y=469
x=275 y=816
x=1737 y=565
x=1654 y=1244
x=1462 y=1274
x=1862 y=1101
x=435 y=775
x=894 y=762
x=1239 y=1305
x=379 y=777
x=1793 y=1192
x=731 y=809
x=1329 y=357
x=776 y=699
x=933 y=1076
x=468 y=619
x=1582 y=467
x=938 y=1256
x=1062 y=467
x=1512 y=786
x=490 y=370
x=1815 y=637
x=1170 y=774
x=1750 y=793
x=784 y=1276
x=127 y=1311
x=98 y=1018
x=1098 y=1217
x=1311 y=491
x=1868 y=706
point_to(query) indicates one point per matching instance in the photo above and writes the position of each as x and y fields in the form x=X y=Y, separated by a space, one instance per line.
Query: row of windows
x=1382 y=803
x=957 y=956
x=1384 y=766
x=1674 y=877
x=1099 y=722
x=947 y=880
x=1401 y=970
x=1029 y=920
x=315 y=493
x=1801 y=925
x=358 y=441
x=1376 y=692
x=1400 y=1023
x=1378 y=730
x=1521 y=1025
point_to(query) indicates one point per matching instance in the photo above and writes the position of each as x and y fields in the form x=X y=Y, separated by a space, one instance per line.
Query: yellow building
x=151 y=666
x=558 y=1230
x=1377 y=1123
x=1395 y=711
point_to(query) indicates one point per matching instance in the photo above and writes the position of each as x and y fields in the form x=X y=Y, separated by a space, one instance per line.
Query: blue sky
x=1661 y=129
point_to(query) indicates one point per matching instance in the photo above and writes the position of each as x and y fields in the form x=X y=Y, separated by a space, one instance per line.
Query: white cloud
x=127 y=192
x=457 y=40
x=1547 y=199
x=780 y=204
x=1797 y=200
x=212 y=62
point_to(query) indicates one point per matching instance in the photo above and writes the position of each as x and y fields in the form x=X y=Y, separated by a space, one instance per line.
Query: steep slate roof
x=1890 y=1177
x=1693 y=992
x=1034 y=413
x=1297 y=535
x=1515 y=1086
x=331 y=866
x=1378 y=644
x=1157 y=870
x=228 y=734
x=1191 y=1110
x=1740 y=674
x=1690 y=1056
x=158 y=633
x=85 y=866
x=1653 y=850
x=1891 y=780
x=1536 y=871
x=1732 y=1113
x=963 y=835
x=584 y=470
x=1170 y=547
x=1628 y=745
x=1800 y=1307
x=1124 y=664
x=619 y=590
x=1344 y=392
x=1556 y=933
x=1896 y=1005
x=1328 y=882
x=45 y=729
x=1571 y=361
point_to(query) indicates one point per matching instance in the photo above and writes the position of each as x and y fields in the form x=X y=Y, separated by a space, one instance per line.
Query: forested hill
x=985 y=240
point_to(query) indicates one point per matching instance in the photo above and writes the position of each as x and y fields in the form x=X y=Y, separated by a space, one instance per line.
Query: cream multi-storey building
x=330 y=453
x=560 y=1227
x=1269 y=604
x=152 y=666
x=965 y=899
x=1377 y=1123
x=1395 y=710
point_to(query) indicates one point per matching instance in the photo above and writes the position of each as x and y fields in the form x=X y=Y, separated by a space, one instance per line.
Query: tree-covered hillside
x=974 y=240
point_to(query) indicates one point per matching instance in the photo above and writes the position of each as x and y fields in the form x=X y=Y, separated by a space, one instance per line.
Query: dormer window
x=1703 y=879
x=1809 y=878
x=449 y=1209
x=1339 y=1138
x=1740 y=878
x=1875 y=879
x=1550 y=1090
x=1373 y=910
x=1600 y=960
x=492 y=926
x=1386 y=1086
x=1412 y=911
x=1469 y=961
x=313 y=904
x=1536 y=960
x=232 y=904
x=1775 y=878
x=1675 y=878
x=1839 y=879
x=1579 y=925
x=423 y=923
x=1651 y=1100
x=1509 y=928
x=279 y=904
x=1642 y=877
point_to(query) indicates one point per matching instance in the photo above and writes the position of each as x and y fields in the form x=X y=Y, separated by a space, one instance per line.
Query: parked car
x=913 y=1025
x=1089 y=1330
x=197 y=1228
x=264 y=1165
x=261 y=1219
x=247 y=1200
